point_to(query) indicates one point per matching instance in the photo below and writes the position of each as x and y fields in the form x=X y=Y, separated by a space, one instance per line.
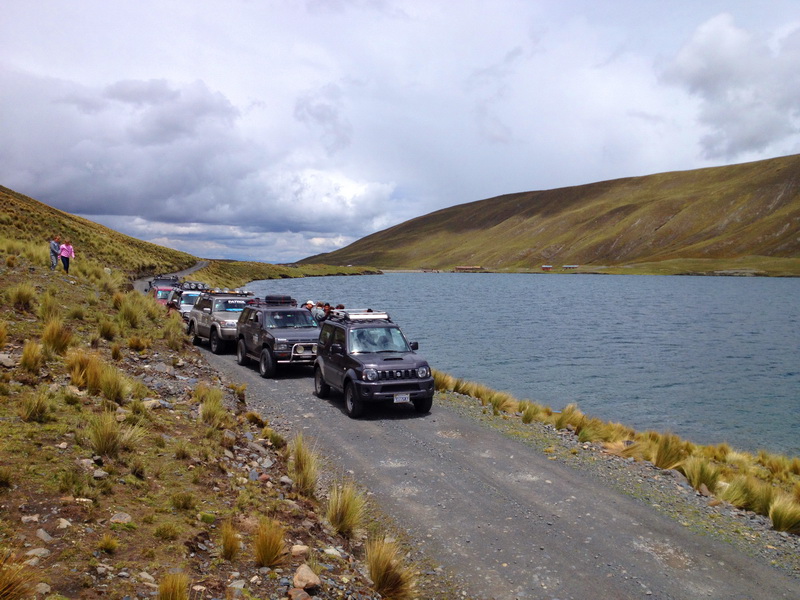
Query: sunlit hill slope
x=740 y=219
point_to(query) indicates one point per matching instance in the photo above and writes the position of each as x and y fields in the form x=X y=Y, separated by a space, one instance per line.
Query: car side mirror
x=337 y=349
x=415 y=345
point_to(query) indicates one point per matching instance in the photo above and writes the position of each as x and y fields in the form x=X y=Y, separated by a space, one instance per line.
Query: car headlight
x=370 y=375
x=229 y=323
x=281 y=346
x=423 y=372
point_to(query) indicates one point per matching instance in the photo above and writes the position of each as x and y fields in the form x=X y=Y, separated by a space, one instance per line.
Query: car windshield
x=163 y=294
x=229 y=305
x=377 y=339
x=190 y=299
x=290 y=318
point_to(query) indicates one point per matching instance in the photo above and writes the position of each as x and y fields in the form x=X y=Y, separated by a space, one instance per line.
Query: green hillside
x=740 y=219
x=29 y=220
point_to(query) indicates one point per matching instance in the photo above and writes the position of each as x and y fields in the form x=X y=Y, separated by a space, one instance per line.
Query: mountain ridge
x=729 y=217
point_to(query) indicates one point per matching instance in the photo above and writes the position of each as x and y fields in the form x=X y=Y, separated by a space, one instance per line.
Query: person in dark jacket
x=55 y=249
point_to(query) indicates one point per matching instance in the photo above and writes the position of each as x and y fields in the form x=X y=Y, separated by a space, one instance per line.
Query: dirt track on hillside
x=500 y=516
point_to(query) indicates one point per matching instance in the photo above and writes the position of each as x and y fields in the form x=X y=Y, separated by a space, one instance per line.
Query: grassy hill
x=739 y=219
x=29 y=224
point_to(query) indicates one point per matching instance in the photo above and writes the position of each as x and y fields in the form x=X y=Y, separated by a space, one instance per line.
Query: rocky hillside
x=736 y=217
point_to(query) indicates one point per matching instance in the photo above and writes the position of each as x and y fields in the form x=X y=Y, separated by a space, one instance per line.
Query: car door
x=337 y=362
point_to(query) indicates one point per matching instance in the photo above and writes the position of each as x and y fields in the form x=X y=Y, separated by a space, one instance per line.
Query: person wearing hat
x=309 y=305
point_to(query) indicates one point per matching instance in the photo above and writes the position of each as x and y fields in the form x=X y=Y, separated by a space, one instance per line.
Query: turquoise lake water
x=710 y=358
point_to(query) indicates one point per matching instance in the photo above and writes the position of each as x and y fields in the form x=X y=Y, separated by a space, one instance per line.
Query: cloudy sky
x=272 y=130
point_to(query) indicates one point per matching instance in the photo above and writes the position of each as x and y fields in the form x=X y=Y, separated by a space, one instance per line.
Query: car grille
x=395 y=374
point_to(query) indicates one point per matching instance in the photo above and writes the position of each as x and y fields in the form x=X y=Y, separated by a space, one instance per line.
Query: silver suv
x=214 y=317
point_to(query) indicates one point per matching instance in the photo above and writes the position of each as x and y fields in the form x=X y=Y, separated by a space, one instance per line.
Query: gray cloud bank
x=319 y=124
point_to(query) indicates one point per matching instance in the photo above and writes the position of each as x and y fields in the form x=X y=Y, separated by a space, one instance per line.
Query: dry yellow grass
x=174 y=586
x=269 y=546
x=392 y=579
x=303 y=467
x=345 y=510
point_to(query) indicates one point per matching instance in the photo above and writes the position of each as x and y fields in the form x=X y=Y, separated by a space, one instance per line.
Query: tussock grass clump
x=113 y=384
x=32 y=357
x=212 y=409
x=138 y=343
x=6 y=478
x=36 y=407
x=391 y=577
x=48 y=308
x=56 y=338
x=76 y=313
x=442 y=381
x=268 y=543
x=116 y=351
x=670 y=451
x=183 y=501
x=107 y=329
x=183 y=450
x=168 y=531
x=699 y=471
x=784 y=513
x=3 y=333
x=131 y=437
x=750 y=493
x=239 y=390
x=16 y=578
x=11 y=261
x=570 y=415
x=303 y=466
x=85 y=369
x=273 y=437
x=174 y=586
x=230 y=540
x=345 y=510
x=501 y=402
x=21 y=296
x=256 y=419
x=104 y=434
x=108 y=544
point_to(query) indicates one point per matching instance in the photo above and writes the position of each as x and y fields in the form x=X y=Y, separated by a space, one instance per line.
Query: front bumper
x=299 y=353
x=227 y=333
x=387 y=391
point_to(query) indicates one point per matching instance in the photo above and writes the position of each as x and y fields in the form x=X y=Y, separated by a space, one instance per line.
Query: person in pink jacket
x=66 y=252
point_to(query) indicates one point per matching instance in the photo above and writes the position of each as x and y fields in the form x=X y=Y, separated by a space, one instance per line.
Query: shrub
x=391 y=577
x=268 y=545
x=345 y=510
x=56 y=338
x=304 y=467
x=32 y=357
x=230 y=541
x=174 y=586
x=36 y=407
x=21 y=296
x=16 y=579
x=784 y=513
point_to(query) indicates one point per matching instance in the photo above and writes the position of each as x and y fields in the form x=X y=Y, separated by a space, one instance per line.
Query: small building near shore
x=547 y=267
x=569 y=267
x=468 y=269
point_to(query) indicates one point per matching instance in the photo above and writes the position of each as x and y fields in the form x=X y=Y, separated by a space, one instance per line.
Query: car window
x=325 y=334
x=190 y=299
x=338 y=336
x=293 y=318
x=162 y=294
x=377 y=339
x=229 y=305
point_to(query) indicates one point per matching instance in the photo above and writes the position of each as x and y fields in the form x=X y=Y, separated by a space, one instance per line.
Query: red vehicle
x=160 y=293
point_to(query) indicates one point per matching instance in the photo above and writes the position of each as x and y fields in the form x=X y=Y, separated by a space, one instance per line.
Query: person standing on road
x=55 y=249
x=66 y=252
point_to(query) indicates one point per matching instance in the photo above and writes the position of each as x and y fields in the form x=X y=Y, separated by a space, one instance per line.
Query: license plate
x=398 y=398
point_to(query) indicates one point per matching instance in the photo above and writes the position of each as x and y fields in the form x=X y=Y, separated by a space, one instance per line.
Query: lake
x=712 y=359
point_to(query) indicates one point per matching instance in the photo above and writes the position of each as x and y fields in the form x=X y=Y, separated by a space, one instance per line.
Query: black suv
x=274 y=332
x=364 y=355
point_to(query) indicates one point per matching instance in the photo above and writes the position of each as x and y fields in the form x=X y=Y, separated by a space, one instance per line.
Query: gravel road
x=140 y=285
x=501 y=516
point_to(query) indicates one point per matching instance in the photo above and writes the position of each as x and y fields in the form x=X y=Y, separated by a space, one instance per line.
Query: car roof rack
x=359 y=314
x=227 y=292
x=274 y=300
x=194 y=285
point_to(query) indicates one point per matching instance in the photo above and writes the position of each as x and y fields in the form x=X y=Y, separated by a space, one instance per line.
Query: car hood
x=391 y=360
x=295 y=334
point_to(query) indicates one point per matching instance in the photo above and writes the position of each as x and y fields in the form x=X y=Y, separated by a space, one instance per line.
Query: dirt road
x=140 y=285
x=510 y=523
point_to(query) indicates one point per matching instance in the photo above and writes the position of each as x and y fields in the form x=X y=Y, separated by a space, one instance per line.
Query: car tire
x=191 y=331
x=321 y=389
x=215 y=342
x=424 y=405
x=266 y=363
x=241 y=353
x=353 y=405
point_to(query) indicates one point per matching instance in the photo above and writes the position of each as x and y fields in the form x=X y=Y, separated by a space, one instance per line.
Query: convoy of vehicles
x=361 y=354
